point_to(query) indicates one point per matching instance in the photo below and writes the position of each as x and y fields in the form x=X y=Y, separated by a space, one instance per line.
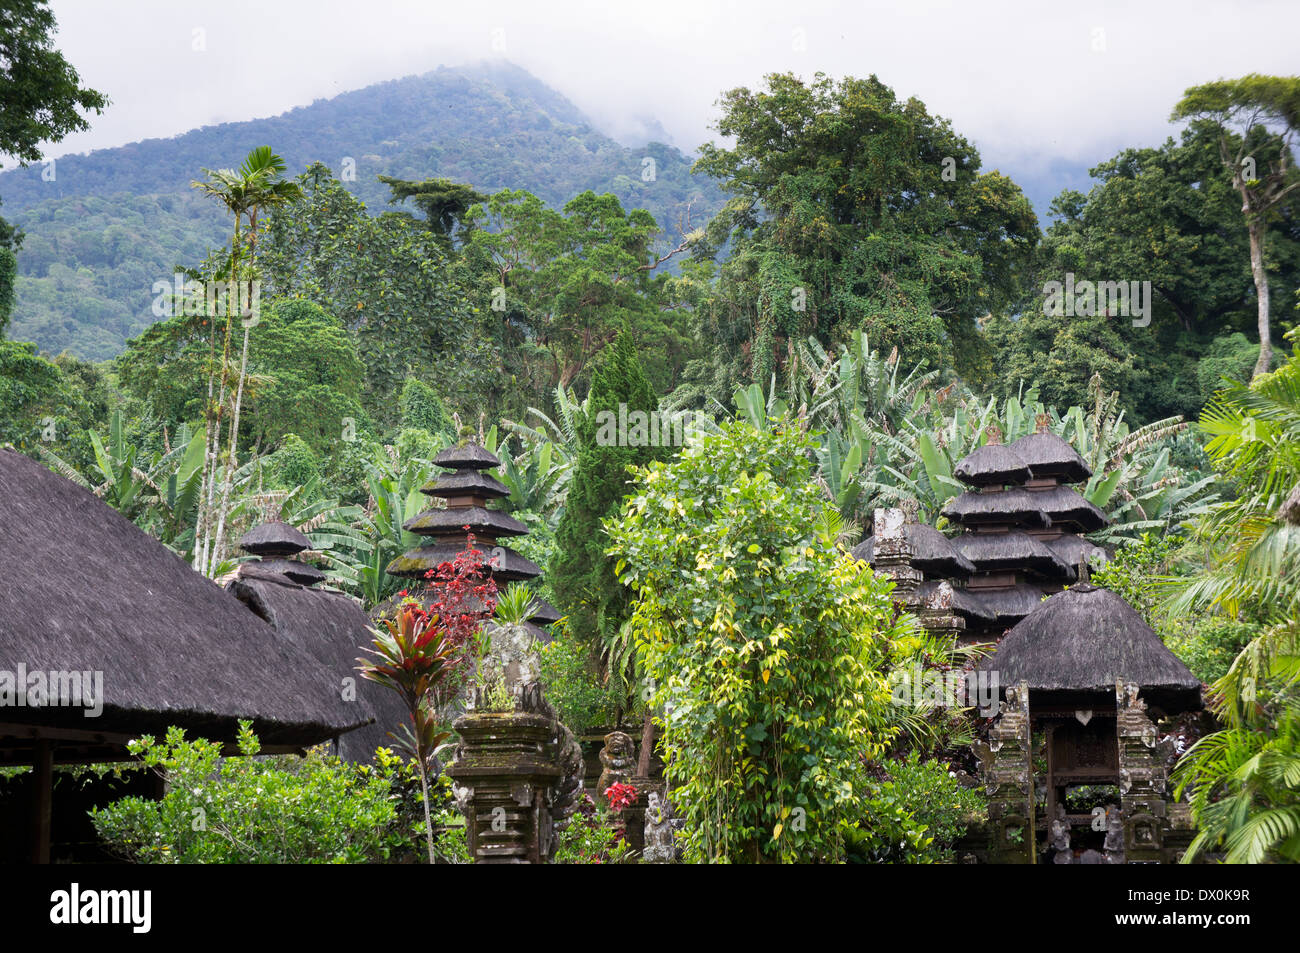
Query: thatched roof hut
x=82 y=589
x=932 y=552
x=1084 y=640
x=330 y=628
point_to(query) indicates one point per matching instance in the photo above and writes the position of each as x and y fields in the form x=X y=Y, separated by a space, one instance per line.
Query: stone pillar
x=892 y=554
x=1007 y=766
x=1141 y=778
x=936 y=614
x=515 y=778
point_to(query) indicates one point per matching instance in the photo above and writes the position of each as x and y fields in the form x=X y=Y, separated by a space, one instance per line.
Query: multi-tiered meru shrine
x=468 y=491
x=1022 y=525
x=1021 y=539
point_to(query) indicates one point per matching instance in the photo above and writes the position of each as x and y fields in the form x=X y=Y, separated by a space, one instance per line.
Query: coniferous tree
x=581 y=574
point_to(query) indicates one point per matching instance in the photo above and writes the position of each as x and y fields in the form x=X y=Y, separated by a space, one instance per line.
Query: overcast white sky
x=1028 y=81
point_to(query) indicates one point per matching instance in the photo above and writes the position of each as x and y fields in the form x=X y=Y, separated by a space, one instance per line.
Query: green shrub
x=295 y=463
x=763 y=642
x=1209 y=644
x=573 y=685
x=251 y=810
x=591 y=837
x=423 y=409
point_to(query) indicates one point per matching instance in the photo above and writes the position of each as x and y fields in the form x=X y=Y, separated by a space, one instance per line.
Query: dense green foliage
x=852 y=211
x=581 y=573
x=491 y=126
x=1244 y=781
x=763 y=642
x=250 y=810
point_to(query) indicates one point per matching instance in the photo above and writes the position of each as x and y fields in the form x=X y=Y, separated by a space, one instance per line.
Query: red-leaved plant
x=420 y=651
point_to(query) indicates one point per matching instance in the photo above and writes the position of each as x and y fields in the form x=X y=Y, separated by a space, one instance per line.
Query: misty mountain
x=102 y=227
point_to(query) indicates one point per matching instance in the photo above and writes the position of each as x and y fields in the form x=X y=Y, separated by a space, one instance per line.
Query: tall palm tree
x=257 y=185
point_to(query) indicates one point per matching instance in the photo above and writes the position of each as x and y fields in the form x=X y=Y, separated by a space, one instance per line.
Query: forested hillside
x=491 y=126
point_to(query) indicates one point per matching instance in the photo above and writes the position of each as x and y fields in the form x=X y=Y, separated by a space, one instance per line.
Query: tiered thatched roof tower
x=1021 y=524
x=468 y=490
x=276 y=543
x=936 y=559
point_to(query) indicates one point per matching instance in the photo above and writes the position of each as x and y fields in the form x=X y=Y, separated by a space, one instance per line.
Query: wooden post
x=42 y=800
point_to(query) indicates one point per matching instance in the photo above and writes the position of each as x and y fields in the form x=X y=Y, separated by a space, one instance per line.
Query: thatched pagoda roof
x=274 y=538
x=991 y=465
x=1008 y=606
x=1012 y=506
x=506 y=564
x=543 y=613
x=1051 y=456
x=330 y=628
x=932 y=552
x=302 y=573
x=991 y=552
x=469 y=455
x=1065 y=506
x=1084 y=640
x=466 y=483
x=1075 y=549
x=84 y=589
x=476 y=519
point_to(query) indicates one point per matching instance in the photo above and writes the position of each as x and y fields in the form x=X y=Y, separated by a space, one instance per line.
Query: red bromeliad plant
x=419 y=655
x=414 y=658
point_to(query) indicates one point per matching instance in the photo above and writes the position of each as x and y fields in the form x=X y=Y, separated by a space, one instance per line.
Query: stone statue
x=617 y=759
x=659 y=847
x=1114 y=842
x=1059 y=837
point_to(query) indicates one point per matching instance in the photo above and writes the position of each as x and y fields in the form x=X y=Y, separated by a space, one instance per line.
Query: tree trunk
x=647 y=746
x=224 y=510
x=1265 y=362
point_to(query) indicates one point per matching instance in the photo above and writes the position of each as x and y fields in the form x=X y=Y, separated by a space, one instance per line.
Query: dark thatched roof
x=991 y=552
x=1067 y=507
x=480 y=521
x=1050 y=456
x=542 y=612
x=471 y=455
x=991 y=465
x=1085 y=639
x=507 y=565
x=1008 y=606
x=964 y=603
x=83 y=589
x=466 y=483
x=333 y=630
x=932 y=552
x=299 y=572
x=275 y=538
x=1075 y=549
x=1013 y=506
